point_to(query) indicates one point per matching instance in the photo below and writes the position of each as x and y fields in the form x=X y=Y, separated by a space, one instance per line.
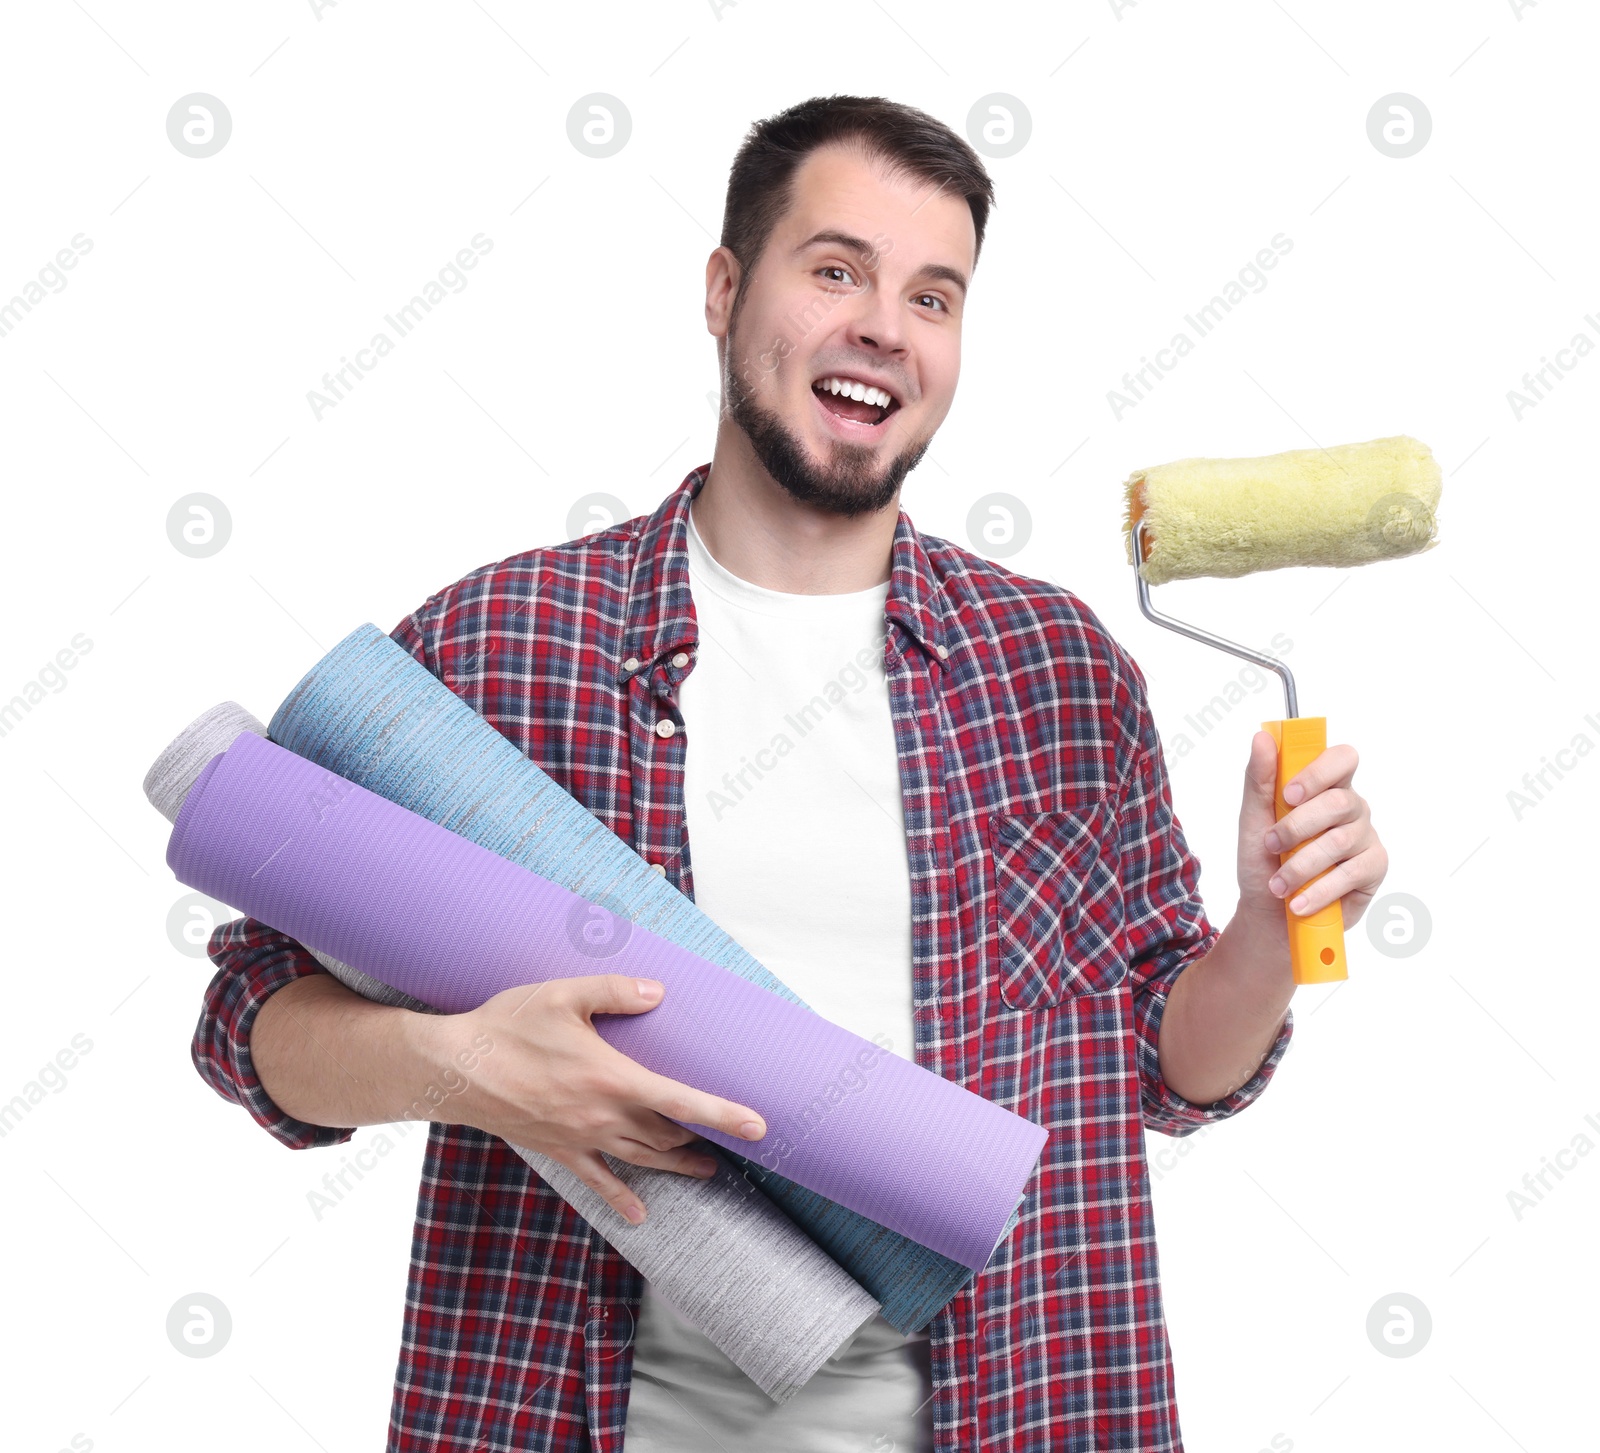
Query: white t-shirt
x=797 y=836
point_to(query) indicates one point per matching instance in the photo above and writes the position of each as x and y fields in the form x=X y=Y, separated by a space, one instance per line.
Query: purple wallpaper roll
x=388 y=892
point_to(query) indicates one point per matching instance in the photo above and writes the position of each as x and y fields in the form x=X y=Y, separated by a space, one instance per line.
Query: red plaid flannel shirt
x=1054 y=905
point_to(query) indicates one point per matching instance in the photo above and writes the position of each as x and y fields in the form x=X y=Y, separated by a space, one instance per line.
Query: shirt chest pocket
x=1056 y=926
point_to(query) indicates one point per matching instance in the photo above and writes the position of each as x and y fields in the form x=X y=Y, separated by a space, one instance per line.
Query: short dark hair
x=909 y=142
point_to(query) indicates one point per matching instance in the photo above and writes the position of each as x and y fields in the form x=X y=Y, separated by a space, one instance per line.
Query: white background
x=1169 y=143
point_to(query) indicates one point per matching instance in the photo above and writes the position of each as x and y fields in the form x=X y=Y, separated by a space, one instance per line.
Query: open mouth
x=836 y=398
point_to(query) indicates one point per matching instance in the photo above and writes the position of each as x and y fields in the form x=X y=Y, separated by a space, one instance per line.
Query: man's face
x=883 y=310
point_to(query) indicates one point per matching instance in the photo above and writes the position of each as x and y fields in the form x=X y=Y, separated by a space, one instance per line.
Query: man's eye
x=940 y=301
x=834 y=267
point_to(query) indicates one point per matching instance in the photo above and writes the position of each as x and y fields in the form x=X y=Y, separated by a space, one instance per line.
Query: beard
x=851 y=482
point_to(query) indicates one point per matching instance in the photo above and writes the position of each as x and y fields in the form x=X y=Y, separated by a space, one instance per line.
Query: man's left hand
x=1328 y=817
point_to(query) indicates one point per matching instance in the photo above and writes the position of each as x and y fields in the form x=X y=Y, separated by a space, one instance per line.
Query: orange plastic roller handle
x=1316 y=940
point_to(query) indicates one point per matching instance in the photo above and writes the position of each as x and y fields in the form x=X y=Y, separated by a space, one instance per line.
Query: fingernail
x=634 y=1213
x=1274 y=844
x=1293 y=792
x=648 y=988
x=1277 y=886
x=1299 y=904
x=752 y=1130
x=705 y=1168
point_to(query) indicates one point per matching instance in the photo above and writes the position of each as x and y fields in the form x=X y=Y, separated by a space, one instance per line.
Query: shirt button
x=665 y=727
x=681 y=660
x=943 y=651
x=631 y=664
x=660 y=868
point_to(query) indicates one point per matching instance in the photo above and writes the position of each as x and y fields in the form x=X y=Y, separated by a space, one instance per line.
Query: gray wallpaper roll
x=725 y=1257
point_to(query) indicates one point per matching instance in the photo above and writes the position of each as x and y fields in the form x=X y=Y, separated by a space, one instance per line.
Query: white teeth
x=853 y=388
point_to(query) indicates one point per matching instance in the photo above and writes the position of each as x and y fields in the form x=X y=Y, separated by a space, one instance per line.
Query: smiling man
x=925 y=791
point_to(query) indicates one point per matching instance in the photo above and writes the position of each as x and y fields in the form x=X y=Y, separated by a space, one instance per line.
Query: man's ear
x=722 y=286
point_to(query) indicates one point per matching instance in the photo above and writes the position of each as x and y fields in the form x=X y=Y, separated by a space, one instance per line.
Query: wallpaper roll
x=438 y=917
x=371 y=712
x=730 y=1262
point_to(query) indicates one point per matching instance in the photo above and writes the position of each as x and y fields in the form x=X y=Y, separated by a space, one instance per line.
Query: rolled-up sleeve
x=1167 y=930
x=253 y=962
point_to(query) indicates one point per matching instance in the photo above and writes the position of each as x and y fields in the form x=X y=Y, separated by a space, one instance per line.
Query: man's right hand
x=543 y=1078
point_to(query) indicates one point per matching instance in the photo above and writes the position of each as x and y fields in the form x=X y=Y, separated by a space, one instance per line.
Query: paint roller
x=1348 y=505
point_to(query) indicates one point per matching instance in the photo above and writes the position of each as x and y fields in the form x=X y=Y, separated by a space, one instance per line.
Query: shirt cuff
x=1164 y=1109
x=254 y=963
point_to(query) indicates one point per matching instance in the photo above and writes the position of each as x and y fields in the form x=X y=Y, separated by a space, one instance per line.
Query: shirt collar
x=660 y=609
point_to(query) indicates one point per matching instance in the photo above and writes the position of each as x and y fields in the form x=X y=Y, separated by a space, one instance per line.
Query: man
x=925 y=791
